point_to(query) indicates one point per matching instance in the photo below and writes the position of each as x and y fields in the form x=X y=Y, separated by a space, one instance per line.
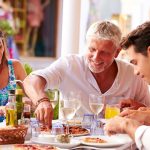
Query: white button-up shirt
x=71 y=73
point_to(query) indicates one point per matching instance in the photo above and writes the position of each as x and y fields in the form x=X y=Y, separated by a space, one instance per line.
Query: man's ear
x=117 y=52
x=148 y=51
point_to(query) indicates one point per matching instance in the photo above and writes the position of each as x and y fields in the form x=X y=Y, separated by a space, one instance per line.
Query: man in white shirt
x=137 y=44
x=96 y=72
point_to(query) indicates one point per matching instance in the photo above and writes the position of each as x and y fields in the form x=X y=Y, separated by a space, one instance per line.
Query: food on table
x=72 y=122
x=94 y=140
x=44 y=128
x=63 y=138
x=34 y=147
x=77 y=130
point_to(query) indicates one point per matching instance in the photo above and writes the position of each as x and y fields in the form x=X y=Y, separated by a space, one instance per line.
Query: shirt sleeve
x=142 y=136
x=53 y=74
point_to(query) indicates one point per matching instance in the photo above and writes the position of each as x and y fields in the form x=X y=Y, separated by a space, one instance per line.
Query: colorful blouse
x=11 y=85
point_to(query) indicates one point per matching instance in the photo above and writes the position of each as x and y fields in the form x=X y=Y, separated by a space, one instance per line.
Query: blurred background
x=40 y=31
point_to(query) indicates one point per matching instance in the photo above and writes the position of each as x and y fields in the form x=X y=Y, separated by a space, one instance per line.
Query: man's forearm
x=34 y=87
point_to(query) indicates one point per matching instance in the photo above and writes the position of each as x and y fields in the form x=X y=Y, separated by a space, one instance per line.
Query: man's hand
x=144 y=109
x=130 y=104
x=141 y=116
x=121 y=125
x=44 y=113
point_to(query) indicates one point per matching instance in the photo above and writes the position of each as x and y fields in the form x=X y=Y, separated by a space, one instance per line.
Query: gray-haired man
x=96 y=72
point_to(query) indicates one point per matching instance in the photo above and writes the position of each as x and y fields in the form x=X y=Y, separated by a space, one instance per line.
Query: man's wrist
x=43 y=99
x=130 y=127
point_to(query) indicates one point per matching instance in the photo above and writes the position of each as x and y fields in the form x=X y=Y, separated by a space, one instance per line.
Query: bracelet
x=43 y=99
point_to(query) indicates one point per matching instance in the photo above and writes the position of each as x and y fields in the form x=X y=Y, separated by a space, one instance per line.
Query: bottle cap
x=11 y=92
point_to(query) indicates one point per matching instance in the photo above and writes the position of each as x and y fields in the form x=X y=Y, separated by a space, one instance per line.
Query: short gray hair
x=105 y=30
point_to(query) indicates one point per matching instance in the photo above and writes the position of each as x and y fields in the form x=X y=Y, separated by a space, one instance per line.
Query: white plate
x=112 y=141
x=83 y=134
x=72 y=144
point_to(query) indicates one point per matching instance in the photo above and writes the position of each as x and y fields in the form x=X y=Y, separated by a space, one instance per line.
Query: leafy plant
x=6 y=27
x=28 y=68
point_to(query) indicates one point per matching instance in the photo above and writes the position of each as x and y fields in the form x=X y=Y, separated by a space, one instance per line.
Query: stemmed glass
x=76 y=97
x=55 y=98
x=96 y=105
x=68 y=111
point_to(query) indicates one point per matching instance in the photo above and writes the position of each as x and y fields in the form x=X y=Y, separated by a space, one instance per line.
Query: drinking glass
x=76 y=97
x=53 y=96
x=96 y=104
x=111 y=110
x=68 y=111
x=27 y=111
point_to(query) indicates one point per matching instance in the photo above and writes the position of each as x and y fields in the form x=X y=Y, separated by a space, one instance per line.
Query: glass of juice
x=111 y=110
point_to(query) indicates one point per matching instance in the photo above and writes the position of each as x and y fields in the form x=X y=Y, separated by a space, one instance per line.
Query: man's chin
x=96 y=70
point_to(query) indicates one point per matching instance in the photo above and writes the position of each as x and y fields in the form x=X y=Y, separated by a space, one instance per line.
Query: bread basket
x=13 y=135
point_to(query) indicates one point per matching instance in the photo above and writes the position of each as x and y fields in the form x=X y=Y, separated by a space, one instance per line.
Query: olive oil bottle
x=11 y=110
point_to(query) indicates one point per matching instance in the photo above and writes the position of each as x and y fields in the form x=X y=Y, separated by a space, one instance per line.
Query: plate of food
x=34 y=147
x=77 y=131
x=72 y=143
x=106 y=141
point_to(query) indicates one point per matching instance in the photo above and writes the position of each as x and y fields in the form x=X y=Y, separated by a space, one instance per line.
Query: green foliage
x=51 y=95
x=28 y=68
x=5 y=26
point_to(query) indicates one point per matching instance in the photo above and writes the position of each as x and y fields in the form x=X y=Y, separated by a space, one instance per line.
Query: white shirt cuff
x=138 y=135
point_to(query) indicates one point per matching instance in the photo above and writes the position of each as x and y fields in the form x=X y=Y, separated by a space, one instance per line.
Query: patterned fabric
x=11 y=85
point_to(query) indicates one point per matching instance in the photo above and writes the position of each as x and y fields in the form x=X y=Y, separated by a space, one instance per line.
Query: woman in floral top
x=10 y=70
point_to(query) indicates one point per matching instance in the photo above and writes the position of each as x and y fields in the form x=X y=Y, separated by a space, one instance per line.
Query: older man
x=96 y=72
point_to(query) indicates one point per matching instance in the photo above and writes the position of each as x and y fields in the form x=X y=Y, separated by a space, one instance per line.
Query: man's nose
x=97 y=56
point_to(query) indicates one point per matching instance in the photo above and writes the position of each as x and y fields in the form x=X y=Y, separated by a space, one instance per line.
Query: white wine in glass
x=96 y=104
x=68 y=111
x=96 y=108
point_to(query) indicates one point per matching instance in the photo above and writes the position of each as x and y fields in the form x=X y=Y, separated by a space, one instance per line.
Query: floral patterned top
x=11 y=85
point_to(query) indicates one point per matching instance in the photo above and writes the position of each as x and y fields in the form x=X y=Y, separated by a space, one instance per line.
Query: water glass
x=97 y=128
x=57 y=129
x=35 y=127
x=87 y=120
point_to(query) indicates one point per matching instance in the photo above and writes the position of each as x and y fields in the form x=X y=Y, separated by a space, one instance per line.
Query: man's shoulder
x=122 y=64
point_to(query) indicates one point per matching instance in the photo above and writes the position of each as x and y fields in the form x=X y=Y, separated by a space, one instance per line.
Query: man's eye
x=92 y=49
x=133 y=62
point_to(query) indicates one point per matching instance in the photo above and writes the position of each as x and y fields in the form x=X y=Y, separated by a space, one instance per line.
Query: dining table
x=130 y=145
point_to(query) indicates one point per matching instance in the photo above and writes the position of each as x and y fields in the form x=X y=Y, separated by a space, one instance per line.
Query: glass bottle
x=11 y=111
x=19 y=103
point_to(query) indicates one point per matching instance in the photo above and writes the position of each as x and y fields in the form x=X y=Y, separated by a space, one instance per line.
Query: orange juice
x=111 y=111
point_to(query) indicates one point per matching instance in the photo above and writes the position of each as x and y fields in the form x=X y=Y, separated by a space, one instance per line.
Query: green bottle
x=19 y=103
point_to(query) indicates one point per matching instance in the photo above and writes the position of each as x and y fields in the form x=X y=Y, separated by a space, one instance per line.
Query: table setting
x=88 y=133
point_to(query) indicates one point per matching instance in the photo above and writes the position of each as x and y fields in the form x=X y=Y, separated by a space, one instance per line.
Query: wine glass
x=68 y=111
x=96 y=104
x=55 y=98
x=76 y=97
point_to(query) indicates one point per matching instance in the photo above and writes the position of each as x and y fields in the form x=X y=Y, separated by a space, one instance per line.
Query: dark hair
x=139 y=38
x=5 y=54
